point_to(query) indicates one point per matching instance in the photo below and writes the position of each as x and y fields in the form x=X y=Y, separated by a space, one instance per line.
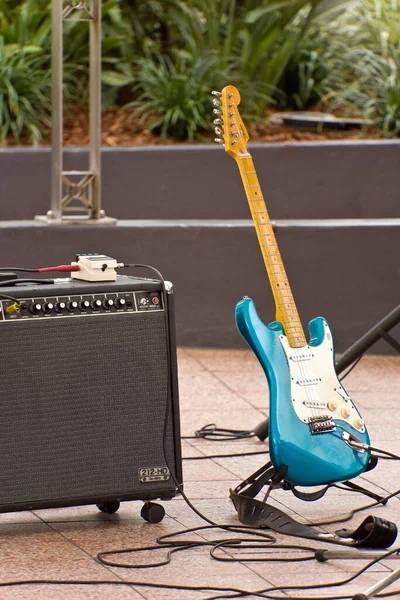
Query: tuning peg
x=233 y=142
x=218 y=130
x=216 y=102
x=218 y=140
x=216 y=111
x=231 y=114
x=217 y=122
x=214 y=93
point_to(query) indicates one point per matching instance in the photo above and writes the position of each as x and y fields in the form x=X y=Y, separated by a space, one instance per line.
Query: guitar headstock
x=228 y=123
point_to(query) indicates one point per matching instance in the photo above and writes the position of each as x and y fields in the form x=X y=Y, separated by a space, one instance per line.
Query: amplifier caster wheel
x=109 y=507
x=152 y=512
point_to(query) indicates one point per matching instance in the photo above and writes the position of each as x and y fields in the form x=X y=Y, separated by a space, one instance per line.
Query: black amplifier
x=89 y=395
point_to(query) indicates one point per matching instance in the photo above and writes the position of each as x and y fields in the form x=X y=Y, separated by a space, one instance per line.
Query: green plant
x=365 y=69
x=251 y=43
x=26 y=26
x=174 y=96
x=24 y=94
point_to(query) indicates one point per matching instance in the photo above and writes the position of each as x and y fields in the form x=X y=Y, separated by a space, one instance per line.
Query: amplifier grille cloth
x=82 y=406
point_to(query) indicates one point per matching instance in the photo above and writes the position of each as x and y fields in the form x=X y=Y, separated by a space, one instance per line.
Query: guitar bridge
x=323 y=424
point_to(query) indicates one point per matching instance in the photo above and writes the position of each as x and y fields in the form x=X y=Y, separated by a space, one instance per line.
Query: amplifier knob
x=35 y=308
x=108 y=303
x=96 y=304
x=60 y=306
x=72 y=305
x=120 y=302
x=48 y=307
x=84 y=305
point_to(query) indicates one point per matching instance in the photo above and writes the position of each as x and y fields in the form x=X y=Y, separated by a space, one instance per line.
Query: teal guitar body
x=311 y=415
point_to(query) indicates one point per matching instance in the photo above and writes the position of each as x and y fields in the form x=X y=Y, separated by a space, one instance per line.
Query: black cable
x=241 y=543
x=351 y=514
x=18 y=269
x=15 y=282
x=168 y=586
x=4 y=297
x=263 y=593
x=169 y=392
x=385 y=453
x=238 y=454
x=218 y=434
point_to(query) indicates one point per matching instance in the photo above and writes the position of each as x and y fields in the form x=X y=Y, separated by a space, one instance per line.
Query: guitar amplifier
x=88 y=394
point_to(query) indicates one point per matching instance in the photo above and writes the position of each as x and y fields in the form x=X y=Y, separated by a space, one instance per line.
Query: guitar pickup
x=323 y=424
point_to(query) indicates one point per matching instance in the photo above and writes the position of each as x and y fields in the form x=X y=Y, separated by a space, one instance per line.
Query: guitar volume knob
x=345 y=412
x=332 y=405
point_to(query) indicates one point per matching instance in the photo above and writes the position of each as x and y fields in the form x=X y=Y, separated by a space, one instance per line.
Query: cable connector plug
x=61 y=268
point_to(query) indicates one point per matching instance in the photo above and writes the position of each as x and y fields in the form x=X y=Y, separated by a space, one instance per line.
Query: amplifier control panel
x=84 y=305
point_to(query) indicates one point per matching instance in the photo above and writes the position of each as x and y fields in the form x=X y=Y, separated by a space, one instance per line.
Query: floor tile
x=229 y=389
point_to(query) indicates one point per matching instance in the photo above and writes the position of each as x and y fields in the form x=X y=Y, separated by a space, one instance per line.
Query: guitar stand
x=324 y=555
x=373 y=532
x=379 y=331
x=378 y=587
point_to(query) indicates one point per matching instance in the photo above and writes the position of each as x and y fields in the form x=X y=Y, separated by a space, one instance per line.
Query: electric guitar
x=315 y=430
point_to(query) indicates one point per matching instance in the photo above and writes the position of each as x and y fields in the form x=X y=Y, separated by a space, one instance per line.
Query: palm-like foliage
x=175 y=51
x=174 y=94
x=25 y=58
x=245 y=42
x=365 y=70
x=24 y=93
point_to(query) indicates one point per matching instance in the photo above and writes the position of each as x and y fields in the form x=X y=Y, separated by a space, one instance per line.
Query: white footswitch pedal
x=95 y=267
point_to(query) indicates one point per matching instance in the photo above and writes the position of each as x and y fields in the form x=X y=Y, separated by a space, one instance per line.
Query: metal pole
x=368 y=339
x=381 y=585
x=57 y=110
x=76 y=191
x=95 y=108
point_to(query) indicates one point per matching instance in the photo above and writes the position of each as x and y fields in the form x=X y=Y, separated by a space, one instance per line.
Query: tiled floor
x=226 y=388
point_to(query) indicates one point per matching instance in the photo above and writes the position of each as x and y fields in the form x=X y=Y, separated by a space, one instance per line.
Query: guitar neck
x=286 y=311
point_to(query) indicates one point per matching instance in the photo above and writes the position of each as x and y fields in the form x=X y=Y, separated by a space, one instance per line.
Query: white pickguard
x=315 y=388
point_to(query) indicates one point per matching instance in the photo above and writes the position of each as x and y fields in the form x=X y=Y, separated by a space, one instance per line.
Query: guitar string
x=309 y=393
x=296 y=352
x=253 y=199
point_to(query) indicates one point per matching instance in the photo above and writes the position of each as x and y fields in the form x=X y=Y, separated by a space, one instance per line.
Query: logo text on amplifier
x=154 y=474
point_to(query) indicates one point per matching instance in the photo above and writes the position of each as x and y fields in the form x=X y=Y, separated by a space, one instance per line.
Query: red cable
x=65 y=268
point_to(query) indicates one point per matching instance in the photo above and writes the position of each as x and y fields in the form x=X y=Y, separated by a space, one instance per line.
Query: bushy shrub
x=362 y=59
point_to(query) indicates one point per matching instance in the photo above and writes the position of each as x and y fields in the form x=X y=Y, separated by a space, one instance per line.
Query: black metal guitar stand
x=379 y=331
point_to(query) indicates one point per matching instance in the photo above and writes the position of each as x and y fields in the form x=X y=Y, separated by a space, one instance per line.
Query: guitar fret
x=284 y=300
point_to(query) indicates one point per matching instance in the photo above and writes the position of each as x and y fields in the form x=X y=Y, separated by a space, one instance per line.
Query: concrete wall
x=344 y=271
x=183 y=210
x=327 y=180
